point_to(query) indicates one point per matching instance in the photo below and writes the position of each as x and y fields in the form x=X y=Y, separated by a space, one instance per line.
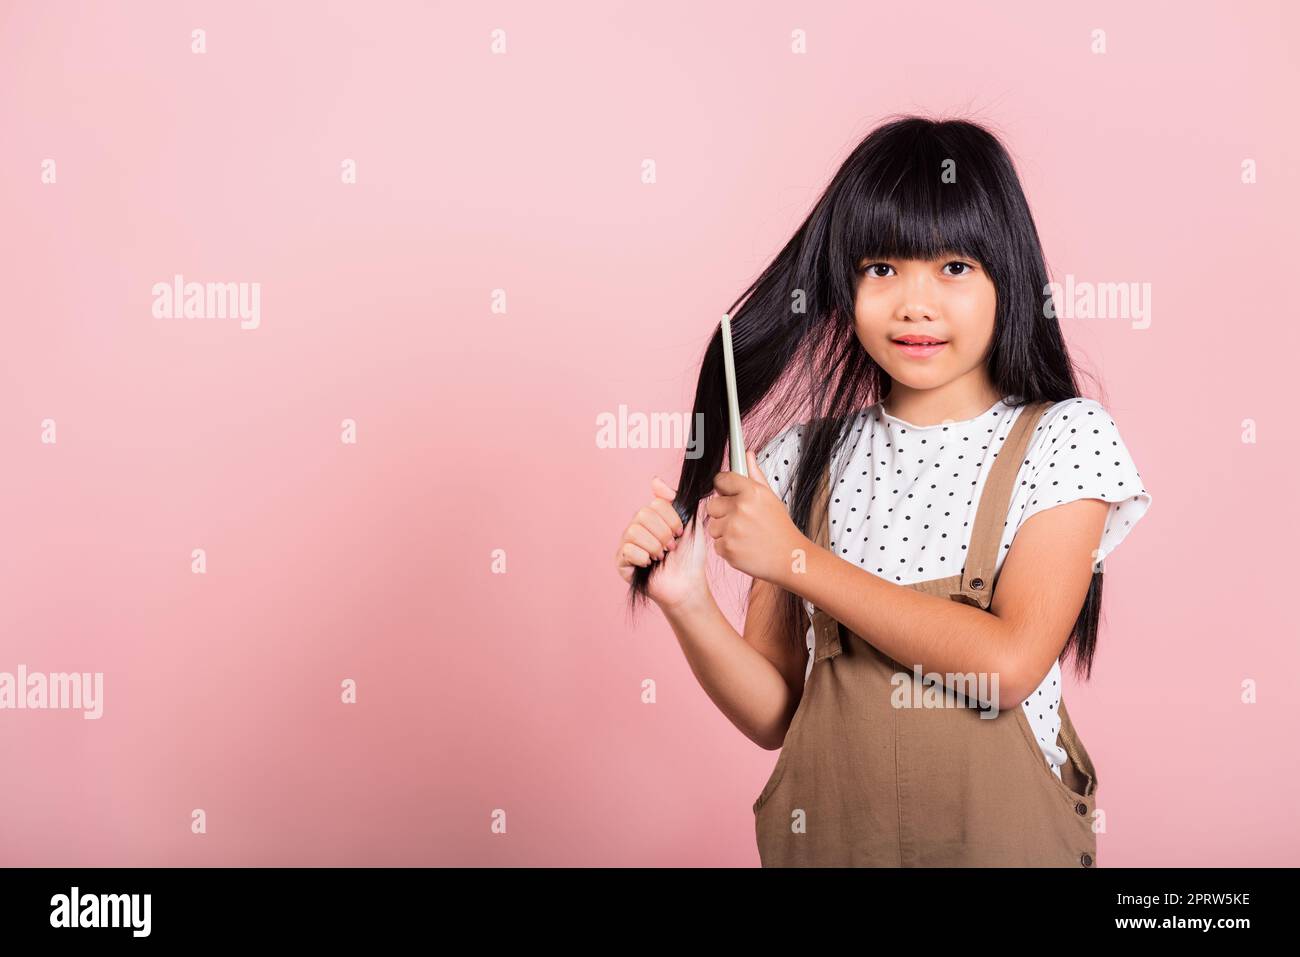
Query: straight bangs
x=901 y=207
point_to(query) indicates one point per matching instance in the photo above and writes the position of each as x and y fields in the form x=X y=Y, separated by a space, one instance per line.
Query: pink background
x=521 y=172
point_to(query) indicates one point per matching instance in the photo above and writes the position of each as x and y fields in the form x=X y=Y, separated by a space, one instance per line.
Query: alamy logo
x=1098 y=300
x=658 y=430
x=59 y=690
x=934 y=690
x=102 y=910
x=208 y=300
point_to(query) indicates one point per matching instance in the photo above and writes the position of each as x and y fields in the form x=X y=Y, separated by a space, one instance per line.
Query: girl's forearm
x=940 y=636
x=744 y=685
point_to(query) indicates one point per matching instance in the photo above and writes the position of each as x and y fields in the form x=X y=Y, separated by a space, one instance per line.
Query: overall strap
x=991 y=514
x=826 y=630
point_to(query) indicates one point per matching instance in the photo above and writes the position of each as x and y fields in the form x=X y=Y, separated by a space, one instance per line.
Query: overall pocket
x=790 y=742
x=774 y=778
x=1078 y=781
x=1080 y=765
x=1073 y=795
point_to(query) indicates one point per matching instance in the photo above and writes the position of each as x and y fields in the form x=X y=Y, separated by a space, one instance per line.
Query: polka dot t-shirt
x=905 y=506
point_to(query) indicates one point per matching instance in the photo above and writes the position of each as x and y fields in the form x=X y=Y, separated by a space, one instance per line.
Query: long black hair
x=914 y=188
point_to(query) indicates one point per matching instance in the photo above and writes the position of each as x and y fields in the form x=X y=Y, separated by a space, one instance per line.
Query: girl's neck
x=957 y=401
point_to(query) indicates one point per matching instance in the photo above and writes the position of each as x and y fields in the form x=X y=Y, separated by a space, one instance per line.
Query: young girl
x=926 y=543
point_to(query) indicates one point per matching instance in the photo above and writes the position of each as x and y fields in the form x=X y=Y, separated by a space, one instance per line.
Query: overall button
x=1086 y=859
x=977 y=583
x=1081 y=808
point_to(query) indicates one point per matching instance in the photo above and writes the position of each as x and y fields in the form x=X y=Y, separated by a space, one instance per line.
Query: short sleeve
x=778 y=460
x=1076 y=452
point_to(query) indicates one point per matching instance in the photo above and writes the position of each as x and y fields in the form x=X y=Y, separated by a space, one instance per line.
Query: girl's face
x=951 y=299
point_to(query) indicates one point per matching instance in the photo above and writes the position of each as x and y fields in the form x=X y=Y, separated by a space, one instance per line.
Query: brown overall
x=860 y=782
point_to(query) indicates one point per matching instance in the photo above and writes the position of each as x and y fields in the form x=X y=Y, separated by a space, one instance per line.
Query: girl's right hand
x=655 y=534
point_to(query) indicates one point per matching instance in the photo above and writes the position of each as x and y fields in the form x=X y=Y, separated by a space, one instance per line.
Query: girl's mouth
x=918 y=350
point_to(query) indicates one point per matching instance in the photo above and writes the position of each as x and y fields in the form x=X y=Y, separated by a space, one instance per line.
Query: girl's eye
x=871 y=269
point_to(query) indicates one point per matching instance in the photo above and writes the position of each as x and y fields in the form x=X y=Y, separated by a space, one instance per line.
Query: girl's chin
x=920 y=375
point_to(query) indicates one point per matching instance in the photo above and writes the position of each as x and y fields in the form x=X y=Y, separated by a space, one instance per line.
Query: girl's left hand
x=751 y=529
